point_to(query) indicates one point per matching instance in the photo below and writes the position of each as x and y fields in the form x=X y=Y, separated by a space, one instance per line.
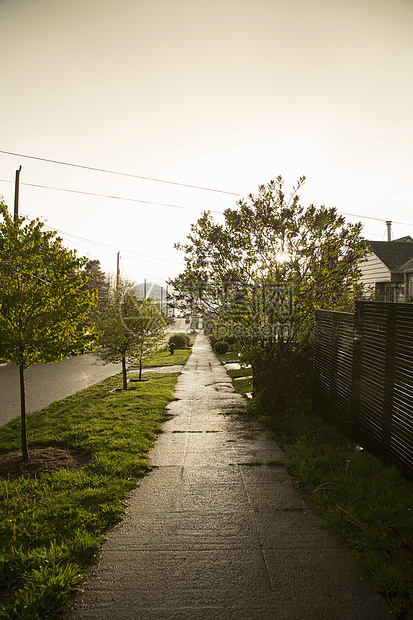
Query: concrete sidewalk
x=215 y=533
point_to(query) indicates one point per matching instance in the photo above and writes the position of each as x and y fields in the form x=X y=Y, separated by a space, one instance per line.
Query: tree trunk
x=25 y=452
x=140 y=369
x=125 y=380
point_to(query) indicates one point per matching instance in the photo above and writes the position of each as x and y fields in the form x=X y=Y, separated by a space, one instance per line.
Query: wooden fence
x=363 y=377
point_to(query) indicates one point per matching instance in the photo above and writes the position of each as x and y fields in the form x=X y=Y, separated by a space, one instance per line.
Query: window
x=390 y=293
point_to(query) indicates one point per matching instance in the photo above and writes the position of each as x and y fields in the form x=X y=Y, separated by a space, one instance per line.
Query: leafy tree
x=131 y=328
x=97 y=280
x=261 y=274
x=41 y=302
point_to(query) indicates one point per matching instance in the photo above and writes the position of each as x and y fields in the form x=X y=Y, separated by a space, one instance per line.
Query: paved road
x=216 y=533
x=46 y=383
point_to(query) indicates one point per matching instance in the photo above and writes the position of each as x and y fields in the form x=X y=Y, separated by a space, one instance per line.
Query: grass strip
x=51 y=527
x=164 y=358
x=241 y=380
x=367 y=503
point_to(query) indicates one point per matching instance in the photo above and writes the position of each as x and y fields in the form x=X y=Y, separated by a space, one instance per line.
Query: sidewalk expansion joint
x=190 y=431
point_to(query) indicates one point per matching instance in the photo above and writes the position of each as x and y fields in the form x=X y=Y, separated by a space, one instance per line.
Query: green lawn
x=164 y=358
x=51 y=528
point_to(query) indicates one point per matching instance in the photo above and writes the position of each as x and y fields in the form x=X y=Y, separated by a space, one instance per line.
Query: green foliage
x=51 y=527
x=212 y=340
x=41 y=301
x=131 y=327
x=44 y=305
x=180 y=340
x=229 y=341
x=221 y=347
x=99 y=282
x=259 y=277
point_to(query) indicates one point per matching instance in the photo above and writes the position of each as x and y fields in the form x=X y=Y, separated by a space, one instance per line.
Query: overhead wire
x=115 y=197
x=377 y=219
x=165 y=204
x=125 y=174
x=75 y=191
x=141 y=201
x=105 y=245
x=125 y=253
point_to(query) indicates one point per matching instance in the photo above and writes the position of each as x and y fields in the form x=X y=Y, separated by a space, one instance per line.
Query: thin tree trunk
x=125 y=380
x=25 y=452
x=140 y=369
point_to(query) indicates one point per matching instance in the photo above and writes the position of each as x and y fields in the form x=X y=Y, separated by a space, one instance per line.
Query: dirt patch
x=43 y=460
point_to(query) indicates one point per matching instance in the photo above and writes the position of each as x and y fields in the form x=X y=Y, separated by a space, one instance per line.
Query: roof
x=394 y=254
x=408 y=266
x=407 y=239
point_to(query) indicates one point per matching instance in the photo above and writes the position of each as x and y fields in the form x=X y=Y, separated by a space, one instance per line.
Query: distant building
x=387 y=270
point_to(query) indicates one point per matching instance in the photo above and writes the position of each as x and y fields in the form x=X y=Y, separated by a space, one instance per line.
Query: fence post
x=391 y=325
x=357 y=368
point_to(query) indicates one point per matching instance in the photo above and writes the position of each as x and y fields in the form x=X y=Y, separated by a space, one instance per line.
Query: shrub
x=221 y=347
x=181 y=340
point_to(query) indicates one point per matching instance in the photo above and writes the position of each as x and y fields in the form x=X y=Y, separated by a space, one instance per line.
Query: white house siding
x=374 y=270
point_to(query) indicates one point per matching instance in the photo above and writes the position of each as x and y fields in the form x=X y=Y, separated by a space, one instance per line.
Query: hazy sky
x=223 y=94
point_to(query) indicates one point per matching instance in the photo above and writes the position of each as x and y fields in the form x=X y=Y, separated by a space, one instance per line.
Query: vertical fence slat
x=363 y=377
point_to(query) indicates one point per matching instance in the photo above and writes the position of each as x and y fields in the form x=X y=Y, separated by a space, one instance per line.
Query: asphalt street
x=46 y=383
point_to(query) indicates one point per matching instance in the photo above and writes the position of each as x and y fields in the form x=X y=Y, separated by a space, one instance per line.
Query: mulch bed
x=42 y=460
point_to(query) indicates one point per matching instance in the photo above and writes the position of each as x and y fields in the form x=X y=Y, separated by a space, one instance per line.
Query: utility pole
x=16 y=195
x=117 y=271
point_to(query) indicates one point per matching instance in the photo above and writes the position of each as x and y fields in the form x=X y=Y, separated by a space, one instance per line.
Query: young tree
x=261 y=275
x=150 y=330
x=97 y=280
x=42 y=305
x=131 y=328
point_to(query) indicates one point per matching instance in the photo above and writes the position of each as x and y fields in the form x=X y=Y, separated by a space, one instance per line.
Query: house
x=387 y=270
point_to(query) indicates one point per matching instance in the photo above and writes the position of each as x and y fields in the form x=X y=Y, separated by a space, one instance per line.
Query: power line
x=105 y=245
x=130 y=255
x=75 y=191
x=124 y=174
x=368 y=217
x=165 y=204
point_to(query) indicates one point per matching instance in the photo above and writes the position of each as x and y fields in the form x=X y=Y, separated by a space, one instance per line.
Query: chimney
x=388 y=224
